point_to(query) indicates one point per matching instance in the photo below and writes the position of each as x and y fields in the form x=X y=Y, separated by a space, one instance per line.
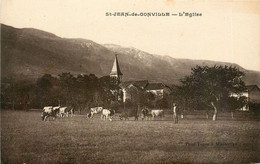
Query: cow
x=157 y=113
x=145 y=114
x=63 y=111
x=56 y=109
x=46 y=108
x=94 y=110
x=48 y=112
x=89 y=115
x=107 y=114
x=71 y=112
x=129 y=113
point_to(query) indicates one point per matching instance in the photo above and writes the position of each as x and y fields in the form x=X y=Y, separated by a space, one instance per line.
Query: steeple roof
x=116 y=69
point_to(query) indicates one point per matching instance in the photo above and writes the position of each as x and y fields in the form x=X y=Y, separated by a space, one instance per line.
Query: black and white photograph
x=130 y=81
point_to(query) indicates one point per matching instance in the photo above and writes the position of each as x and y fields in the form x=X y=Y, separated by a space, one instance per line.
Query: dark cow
x=146 y=114
x=125 y=114
x=71 y=112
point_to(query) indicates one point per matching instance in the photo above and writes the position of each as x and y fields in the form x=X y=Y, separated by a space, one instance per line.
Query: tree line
x=206 y=88
x=80 y=92
x=217 y=88
x=65 y=89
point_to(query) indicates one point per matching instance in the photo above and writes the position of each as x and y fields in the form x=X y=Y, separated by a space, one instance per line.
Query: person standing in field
x=175 y=116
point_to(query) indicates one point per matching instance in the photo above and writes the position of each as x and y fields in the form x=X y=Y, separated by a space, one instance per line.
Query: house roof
x=140 y=84
x=133 y=86
x=116 y=69
x=251 y=87
x=155 y=86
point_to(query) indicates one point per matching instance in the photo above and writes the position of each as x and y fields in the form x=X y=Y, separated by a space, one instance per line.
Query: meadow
x=25 y=138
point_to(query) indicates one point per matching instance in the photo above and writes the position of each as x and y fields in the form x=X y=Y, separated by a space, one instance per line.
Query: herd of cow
x=106 y=114
x=57 y=111
x=145 y=113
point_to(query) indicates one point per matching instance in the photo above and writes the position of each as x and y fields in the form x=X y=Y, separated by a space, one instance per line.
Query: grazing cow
x=107 y=114
x=48 y=112
x=63 y=111
x=46 y=108
x=156 y=113
x=56 y=109
x=89 y=115
x=129 y=113
x=71 y=112
x=94 y=110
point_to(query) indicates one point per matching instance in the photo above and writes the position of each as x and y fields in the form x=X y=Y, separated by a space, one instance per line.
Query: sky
x=227 y=31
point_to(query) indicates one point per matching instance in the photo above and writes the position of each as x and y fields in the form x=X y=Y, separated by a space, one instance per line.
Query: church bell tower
x=115 y=80
x=116 y=74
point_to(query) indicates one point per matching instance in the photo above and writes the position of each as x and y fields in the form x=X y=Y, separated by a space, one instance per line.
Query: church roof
x=141 y=84
x=155 y=86
x=116 y=69
x=251 y=87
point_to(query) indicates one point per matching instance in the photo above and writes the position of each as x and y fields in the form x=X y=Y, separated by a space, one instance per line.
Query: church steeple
x=116 y=74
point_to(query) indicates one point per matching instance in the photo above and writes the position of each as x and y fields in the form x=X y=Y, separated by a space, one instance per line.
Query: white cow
x=107 y=114
x=94 y=110
x=46 y=108
x=48 y=112
x=56 y=109
x=63 y=112
x=157 y=113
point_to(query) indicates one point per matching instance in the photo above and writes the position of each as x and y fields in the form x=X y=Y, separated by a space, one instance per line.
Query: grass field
x=27 y=139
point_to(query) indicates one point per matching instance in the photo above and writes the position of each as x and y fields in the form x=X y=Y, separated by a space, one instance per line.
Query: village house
x=158 y=89
x=130 y=88
x=252 y=94
x=126 y=90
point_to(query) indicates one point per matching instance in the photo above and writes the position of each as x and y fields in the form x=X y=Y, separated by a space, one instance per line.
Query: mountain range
x=29 y=53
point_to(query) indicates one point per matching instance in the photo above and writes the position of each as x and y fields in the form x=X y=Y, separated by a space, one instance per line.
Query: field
x=27 y=139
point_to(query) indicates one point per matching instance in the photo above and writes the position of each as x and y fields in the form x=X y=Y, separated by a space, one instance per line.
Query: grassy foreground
x=27 y=139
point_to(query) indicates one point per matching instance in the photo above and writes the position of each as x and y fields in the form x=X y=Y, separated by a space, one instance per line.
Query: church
x=115 y=80
x=122 y=89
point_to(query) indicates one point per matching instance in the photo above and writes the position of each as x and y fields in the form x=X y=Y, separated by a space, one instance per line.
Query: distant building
x=116 y=74
x=129 y=88
x=130 y=91
x=141 y=84
x=115 y=79
x=252 y=94
x=158 y=89
x=126 y=90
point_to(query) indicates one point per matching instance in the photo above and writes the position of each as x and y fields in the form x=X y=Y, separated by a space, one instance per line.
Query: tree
x=47 y=91
x=182 y=97
x=162 y=103
x=17 y=94
x=235 y=103
x=211 y=87
x=105 y=90
x=149 y=99
x=136 y=95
